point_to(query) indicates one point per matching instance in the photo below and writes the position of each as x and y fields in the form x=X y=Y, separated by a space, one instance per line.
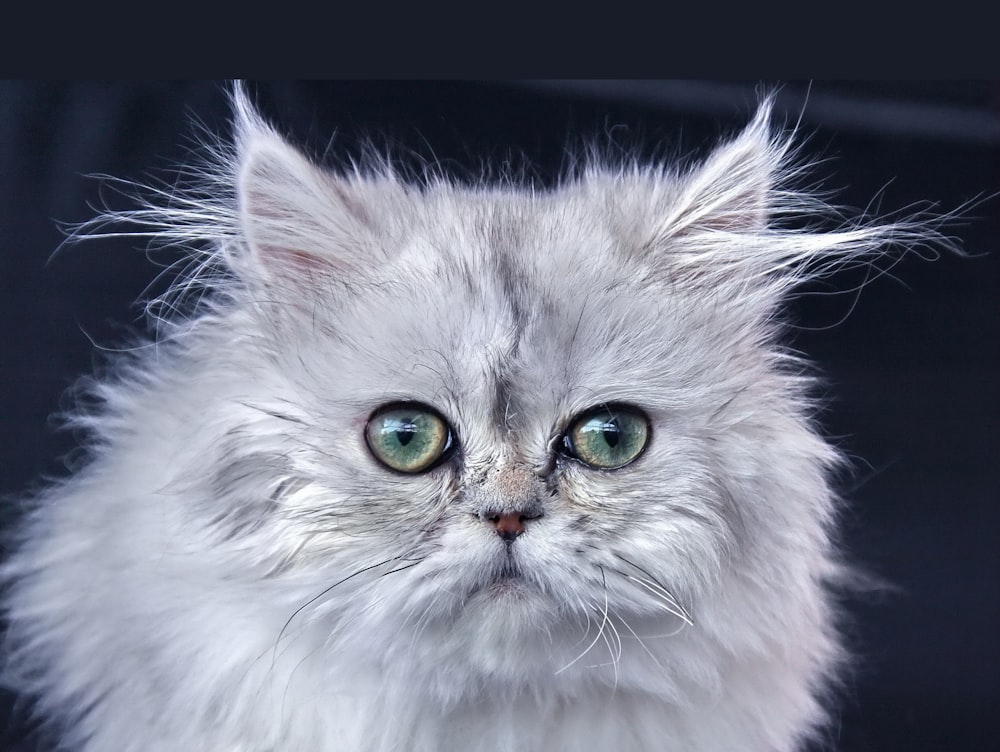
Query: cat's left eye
x=408 y=437
x=607 y=437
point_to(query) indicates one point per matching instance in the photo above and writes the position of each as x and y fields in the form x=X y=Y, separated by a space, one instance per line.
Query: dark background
x=910 y=363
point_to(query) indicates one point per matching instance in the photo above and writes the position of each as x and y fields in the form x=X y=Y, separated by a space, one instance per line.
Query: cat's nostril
x=510 y=525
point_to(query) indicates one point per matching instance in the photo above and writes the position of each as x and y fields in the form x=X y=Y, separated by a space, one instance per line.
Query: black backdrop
x=911 y=362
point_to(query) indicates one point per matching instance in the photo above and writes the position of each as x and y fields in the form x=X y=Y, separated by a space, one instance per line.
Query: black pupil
x=611 y=432
x=405 y=432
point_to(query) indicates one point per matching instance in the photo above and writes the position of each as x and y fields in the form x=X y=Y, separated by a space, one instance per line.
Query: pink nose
x=508 y=526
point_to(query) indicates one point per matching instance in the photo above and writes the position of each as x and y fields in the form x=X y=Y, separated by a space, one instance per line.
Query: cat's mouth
x=507 y=578
x=508 y=571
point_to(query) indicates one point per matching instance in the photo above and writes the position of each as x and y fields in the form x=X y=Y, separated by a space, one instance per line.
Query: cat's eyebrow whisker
x=273 y=413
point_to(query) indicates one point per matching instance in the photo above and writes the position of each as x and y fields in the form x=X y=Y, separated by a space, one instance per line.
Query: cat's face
x=516 y=410
x=494 y=356
x=503 y=324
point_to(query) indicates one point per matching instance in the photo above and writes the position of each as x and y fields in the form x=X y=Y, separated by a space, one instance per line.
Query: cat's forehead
x=515 y=234
x=511 y=261
x=510 y=301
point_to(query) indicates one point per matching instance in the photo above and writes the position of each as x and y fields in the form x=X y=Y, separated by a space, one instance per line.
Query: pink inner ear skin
x=298 y=260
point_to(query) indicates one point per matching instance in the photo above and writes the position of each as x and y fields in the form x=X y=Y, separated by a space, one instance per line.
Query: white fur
x=233 y=571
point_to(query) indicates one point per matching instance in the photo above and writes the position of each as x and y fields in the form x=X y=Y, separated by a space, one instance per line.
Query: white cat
x=446 y=467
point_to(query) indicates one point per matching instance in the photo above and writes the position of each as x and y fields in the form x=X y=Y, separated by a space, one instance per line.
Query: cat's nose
x=508 y=498
x=511 y=525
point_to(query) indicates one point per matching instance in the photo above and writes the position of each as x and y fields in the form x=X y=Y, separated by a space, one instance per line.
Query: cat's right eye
x=607 y=437
x=408 y=437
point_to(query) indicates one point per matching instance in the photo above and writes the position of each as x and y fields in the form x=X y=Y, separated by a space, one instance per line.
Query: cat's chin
x=507 y=595
x=503 y=591
x=499 y=621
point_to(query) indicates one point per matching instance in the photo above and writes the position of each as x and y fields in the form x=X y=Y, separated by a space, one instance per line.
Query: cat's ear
x=299 y=221
x=731 y=191
x=736 y=222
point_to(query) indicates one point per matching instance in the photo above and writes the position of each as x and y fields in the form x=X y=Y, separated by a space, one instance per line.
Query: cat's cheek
x=670 y=524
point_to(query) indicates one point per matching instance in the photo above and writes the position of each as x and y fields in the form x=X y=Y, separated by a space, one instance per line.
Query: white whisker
x=641 y=643
x=598 y=636
x=669 y=603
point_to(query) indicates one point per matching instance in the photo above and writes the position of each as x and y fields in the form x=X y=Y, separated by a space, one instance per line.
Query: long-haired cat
x=435 y=466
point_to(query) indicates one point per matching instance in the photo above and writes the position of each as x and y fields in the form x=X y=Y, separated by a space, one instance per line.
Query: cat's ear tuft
x=298 y=220
x=731 y=191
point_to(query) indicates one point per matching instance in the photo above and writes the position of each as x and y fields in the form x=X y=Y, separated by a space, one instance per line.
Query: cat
x=440 y=466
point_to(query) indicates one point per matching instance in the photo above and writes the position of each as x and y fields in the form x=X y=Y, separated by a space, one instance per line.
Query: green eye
x=608 y=437
x=409 y=438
